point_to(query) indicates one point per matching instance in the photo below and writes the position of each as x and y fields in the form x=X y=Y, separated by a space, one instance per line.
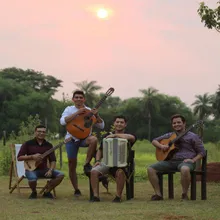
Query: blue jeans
x=72 y=148
x=34 y=175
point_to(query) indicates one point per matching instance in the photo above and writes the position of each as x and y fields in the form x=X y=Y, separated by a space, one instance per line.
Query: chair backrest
x=19 y=164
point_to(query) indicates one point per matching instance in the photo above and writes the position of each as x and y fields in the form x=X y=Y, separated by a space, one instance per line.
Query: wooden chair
x=17 y=173
x=200 y=170
x=130 y=177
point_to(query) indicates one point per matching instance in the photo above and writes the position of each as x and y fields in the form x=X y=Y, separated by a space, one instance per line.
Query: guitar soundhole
x=88 y=123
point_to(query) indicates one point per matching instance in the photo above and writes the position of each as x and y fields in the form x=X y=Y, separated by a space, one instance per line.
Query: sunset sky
x=143 y=43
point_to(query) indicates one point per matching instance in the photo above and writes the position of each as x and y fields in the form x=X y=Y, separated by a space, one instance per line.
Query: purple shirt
x=189 y=145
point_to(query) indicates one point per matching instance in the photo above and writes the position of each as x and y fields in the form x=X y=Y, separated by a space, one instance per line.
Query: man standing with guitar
x=79 y=120
x=182 y=149
x=33 y=150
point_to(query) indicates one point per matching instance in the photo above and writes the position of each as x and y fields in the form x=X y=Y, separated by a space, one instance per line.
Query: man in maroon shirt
x=33 y=150
x=190 y=149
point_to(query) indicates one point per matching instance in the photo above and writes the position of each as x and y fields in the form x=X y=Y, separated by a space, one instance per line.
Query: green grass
x=65 y=206
x=15 y=206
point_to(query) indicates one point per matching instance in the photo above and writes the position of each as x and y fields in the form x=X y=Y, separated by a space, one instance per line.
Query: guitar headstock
x=199 y=123
x=110 y=91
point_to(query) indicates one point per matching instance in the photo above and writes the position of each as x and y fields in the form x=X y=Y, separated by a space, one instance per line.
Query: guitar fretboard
x=52 y=149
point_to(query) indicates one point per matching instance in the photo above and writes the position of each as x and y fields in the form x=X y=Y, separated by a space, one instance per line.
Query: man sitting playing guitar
x=189 y=149
x=33 y=150
x=70 y=113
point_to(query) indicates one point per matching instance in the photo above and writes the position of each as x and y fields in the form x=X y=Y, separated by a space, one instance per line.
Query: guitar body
x=163 y=155
x=80 y=127
x=31 y=165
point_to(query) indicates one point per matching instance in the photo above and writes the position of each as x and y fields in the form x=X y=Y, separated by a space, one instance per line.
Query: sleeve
x=165 y=136
x=198 y=145
x=23 y=150
x=65 y=113
x=100 y=125
x=52 y=156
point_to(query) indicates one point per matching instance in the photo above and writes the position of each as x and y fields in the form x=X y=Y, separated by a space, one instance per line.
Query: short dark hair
x=121 y=117
x=178 y=116
x=78 y=92
x=40 y=126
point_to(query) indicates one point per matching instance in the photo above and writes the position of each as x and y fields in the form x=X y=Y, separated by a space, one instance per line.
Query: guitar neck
x=100 y=102
x=52 y=149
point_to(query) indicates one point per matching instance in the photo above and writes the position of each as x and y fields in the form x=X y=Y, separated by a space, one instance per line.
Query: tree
x=24 y=93
x=211 y=17
x=150 y=104
x=32 y=79
x=90 y=89
x=203 y=106
x=216 y=103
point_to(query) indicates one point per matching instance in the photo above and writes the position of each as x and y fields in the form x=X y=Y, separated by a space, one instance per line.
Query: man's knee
x=120 y=173
x=72 y=163
x=151 y=170
x=185 y=170
x=95 y=173
x=92 y=140
x=60 y=177
x=31 y=176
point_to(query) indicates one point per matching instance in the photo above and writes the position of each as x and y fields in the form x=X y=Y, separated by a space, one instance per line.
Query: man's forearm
x=98 y=155
x=52 y=165
x=156 y=143
x=25 y=157
x=70 y=117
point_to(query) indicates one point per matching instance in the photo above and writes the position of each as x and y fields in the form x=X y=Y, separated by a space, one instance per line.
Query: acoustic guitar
x=31 y=165
x=80 y=126
x=165 y=155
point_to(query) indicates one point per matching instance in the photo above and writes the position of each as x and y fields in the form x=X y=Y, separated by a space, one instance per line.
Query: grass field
x=17 y=206
x=65 y=206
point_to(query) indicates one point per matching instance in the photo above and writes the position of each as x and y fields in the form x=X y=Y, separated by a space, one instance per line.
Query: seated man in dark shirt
x=33 y=150
x=101 y=168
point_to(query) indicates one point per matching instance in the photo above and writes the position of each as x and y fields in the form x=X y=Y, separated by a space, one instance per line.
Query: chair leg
x=132 y=186
x=193 y=186
x=10 y=175
x=16 y=185
x=160 y=177
x=203 y=187
x=128 y=197
x=170 y=186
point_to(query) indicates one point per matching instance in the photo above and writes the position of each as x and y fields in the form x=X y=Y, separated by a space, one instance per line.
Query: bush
x=5 y=160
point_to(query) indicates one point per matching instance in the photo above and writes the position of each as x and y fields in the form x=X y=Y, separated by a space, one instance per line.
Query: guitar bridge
x=78 y=127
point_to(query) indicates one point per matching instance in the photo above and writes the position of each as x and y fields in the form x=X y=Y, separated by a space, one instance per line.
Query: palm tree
x=216 y=103
x=150 y=104
x=90 y=89
x=203 y=108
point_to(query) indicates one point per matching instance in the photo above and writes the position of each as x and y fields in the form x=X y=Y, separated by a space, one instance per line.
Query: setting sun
x=102 y=13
